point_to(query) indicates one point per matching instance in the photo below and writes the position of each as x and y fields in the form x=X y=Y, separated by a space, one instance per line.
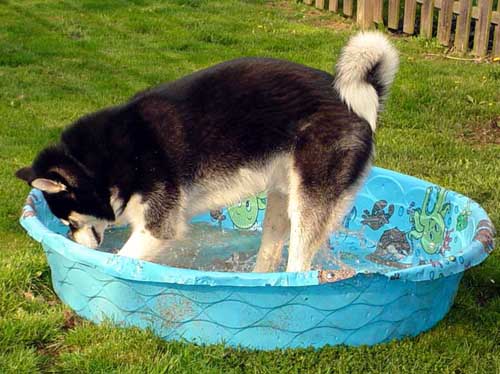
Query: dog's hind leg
x=312 y=220
x=276 y=229
x=329 y=164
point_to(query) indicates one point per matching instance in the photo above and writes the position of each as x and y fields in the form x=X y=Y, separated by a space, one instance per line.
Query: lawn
x=61 y=59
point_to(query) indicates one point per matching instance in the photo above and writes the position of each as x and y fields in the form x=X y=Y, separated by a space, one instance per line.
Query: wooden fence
x=388 y=13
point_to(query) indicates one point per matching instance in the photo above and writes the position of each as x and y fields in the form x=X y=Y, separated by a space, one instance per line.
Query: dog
x=207 y=140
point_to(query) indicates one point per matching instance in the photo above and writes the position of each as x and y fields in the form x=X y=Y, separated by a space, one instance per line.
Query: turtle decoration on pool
x=244 y=214
x=429 y=225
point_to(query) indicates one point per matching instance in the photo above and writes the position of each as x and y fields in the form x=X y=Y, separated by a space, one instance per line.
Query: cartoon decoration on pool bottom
x=392 y=247
x=244 y=214
x=428 y=228
x=429 y=225
x=378 y=217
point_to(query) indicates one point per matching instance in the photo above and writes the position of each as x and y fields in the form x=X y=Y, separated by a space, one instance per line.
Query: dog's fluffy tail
x=365 y=71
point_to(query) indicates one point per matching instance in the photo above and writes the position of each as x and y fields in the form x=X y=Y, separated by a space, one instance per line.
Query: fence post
x=482 y=31
x=364 y=13
x=426 y=18
x=393 y=14
x=463 y=26
x=444 y=22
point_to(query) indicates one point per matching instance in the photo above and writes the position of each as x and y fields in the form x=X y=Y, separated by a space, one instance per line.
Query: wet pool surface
x=211 y=248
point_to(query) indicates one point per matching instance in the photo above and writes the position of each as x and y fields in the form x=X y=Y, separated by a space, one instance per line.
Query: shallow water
x=210 y=248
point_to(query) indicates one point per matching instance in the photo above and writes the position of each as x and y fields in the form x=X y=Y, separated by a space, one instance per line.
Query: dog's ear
x=26 y=174
x=48 y=185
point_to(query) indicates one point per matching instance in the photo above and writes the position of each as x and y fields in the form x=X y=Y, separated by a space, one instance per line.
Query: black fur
x=205 y=125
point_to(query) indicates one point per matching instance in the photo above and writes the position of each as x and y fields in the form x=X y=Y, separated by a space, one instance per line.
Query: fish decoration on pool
x=392 y=248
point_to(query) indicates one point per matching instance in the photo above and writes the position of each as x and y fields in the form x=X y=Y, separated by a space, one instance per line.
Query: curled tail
x=365 y=71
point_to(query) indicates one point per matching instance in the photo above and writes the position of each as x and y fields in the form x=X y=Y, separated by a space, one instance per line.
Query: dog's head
x=72 y=194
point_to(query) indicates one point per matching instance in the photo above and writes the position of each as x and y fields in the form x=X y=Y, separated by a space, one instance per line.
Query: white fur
x=83 y=234
x=141 y=243
x=216 y=192
x=362 y=53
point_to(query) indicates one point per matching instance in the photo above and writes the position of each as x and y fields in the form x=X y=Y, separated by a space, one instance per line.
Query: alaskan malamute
x=217 y=136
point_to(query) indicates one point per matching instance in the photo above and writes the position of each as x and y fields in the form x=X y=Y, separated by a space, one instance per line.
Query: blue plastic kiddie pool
x=392 y=271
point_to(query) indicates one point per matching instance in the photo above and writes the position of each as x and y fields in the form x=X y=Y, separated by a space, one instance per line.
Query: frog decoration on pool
x=244 y=214
x=428 y=225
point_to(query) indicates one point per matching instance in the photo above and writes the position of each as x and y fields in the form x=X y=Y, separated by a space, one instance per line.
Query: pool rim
x=142 y=271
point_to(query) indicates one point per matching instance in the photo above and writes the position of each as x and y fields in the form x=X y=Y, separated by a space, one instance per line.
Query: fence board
x=364 y=14
x=378 y=11
x=409 y=16
x=347 y=7
x=444 y=22
x=393 y=14
x=426 y=18
x=496 y=37
x=333 y=5
x=482 y=30
x=320 y=4
x=308 y=2
x=463 y=26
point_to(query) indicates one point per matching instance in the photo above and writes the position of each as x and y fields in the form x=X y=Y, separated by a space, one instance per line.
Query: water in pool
x=210 y=248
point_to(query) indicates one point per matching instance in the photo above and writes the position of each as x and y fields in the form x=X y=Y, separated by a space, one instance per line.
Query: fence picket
x=364 y=14
x=482 y=30
x=393 y=14
x=378 y=11
x=426 y=18
x=444 y=22
x=320 y=4
x=347 y=7
x=333 y=5
x=409 y=16
x=463 y=26
x=496 y=37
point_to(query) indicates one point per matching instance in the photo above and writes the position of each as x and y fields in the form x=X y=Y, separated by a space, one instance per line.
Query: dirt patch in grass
x=482 y=134
x=309 y=15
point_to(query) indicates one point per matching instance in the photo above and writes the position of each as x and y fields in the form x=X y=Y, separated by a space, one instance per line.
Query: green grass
x=59 y=61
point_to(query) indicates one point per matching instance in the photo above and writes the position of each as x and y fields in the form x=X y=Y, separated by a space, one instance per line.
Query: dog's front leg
x=153 y=227
x=142 y=244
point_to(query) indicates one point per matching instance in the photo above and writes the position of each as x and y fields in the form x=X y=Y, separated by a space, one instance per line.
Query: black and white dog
x=220 y=135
